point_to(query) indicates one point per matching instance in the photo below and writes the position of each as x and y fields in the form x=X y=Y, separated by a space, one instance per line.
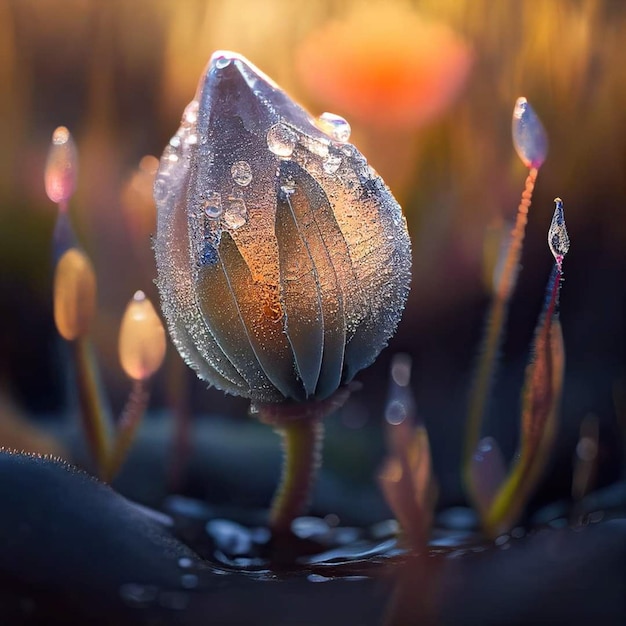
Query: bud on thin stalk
x=531 y=144
x=283 y=259
x=141 y=350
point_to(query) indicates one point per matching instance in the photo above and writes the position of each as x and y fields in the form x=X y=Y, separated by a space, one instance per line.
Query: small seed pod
x=283 y=259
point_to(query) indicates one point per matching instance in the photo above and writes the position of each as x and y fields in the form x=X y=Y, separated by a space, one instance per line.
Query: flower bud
x=74 y=294
x=61 y=167
x=283 y=259
x=142 y=339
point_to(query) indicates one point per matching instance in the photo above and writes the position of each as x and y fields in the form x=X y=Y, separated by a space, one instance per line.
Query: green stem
x=302 y=447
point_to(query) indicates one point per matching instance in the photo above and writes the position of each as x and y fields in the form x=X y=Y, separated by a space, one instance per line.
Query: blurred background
x=429 y=88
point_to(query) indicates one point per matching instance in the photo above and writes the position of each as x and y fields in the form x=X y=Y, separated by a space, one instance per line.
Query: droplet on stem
x=529 y=135
x=142 y=339
x=61 y=167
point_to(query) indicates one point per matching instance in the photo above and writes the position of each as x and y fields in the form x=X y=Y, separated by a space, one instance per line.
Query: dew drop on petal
x=334 y=126
x=235 y=214
x=241 y=173
x=558 y=239
x=212 y=205
x=331 y=164
x=529 y=136
x=190 y=115
x=281 y=140
x=221 y=62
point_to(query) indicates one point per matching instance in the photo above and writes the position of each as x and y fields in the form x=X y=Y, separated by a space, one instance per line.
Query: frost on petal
x=283 y=259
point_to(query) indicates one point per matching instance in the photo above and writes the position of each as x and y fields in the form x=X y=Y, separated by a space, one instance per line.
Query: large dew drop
x=281 y=140
x=334 y=126
x=241 y=173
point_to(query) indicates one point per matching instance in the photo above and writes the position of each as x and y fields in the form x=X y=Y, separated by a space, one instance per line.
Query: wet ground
x=74 y=551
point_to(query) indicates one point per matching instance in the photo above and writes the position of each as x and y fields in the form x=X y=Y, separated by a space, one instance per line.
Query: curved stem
x=126 y=428
x=302 y=455
x=495 y=323
x=94 y=417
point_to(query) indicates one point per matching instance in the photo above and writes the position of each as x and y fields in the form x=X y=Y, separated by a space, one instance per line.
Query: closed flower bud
x=74 y=294
x=142 y=339
x=283 y=259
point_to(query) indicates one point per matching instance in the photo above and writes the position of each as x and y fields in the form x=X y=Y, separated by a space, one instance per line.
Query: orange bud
x=142 y=339
x=74 y=294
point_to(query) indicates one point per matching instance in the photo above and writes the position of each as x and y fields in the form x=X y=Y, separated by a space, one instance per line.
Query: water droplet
x=185 y=562
x=191 y=140
x=518 y=532
x=232 y=538
x=159 y=190
x=558 y=239
x=331 y=164
x=190 y=114
x=221 y=62
x=241 y=173
x=317 y=578
x=529 y=136
x=334 y=126
x=235 y=214
x=175 y=141
x=60 y=136
x=212 y=205
x=307 y=527
x=281 y=140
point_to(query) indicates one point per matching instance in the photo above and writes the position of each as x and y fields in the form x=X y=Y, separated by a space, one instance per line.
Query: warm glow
x=384 y=65
x=136 y=200
x=74 y=294
x=142 y=339
x=61 y=167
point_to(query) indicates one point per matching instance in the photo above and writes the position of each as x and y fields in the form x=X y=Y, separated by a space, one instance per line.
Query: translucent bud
x=142 y=339
x=74 y=294
x=529 y=136
x=558 y=239
x=61 y=167
x=278 y=279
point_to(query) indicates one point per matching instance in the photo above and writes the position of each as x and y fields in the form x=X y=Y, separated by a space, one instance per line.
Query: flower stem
x=126 y=429
x=93 y=415
x=495 y=323
x=302 y=455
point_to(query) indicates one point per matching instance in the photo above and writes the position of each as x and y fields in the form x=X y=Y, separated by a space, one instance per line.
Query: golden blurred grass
x=119 y=73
